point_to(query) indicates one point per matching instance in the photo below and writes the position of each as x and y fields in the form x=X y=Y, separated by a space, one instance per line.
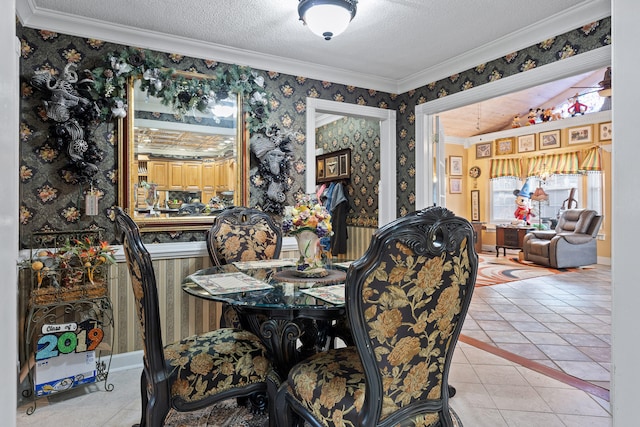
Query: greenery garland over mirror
x=183 y=94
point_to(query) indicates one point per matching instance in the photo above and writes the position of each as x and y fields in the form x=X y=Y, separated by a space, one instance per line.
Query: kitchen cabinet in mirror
x=178 y=169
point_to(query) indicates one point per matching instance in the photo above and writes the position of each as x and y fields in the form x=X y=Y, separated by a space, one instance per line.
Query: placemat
x=334 y=276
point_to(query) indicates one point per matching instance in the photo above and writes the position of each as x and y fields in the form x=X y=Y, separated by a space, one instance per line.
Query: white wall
x=9 y=90
x=626 y=202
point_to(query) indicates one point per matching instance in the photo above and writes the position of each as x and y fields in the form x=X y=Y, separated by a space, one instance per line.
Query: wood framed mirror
x=179 y=169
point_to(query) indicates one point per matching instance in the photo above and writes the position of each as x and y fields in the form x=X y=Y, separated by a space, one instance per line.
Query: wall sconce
x=327 y=18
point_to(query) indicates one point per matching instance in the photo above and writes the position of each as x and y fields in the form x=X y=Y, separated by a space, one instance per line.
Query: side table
x=509 y=238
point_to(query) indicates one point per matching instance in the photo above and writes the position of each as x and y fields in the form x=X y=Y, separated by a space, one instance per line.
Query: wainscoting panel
x=181 y=314
x=358 y=242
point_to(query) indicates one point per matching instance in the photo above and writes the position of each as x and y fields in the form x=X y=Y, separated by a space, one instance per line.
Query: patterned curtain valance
x=592 y=161
x=505 y=167
x=563 y=163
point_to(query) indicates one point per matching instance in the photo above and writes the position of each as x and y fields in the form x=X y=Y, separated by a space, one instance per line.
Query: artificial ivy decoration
x=183 y=94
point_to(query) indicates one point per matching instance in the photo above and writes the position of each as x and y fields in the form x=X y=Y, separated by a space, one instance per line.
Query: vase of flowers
x=308 y=221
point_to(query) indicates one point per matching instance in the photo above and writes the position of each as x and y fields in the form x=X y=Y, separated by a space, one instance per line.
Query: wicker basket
x=75 y=286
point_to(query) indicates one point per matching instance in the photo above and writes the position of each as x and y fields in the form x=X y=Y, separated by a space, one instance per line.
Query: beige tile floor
x=491 y=390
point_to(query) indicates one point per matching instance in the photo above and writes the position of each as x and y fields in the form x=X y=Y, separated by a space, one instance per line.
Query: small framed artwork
x=333 y=166
x=455 y=165
x=320 y=168
x=475 y=205
x=526 y=143
x=455 y=185
x=483 y=150
x=550 y=139
x=505 y=146
x=605 y=131
x=343 y=164
x=581 y=135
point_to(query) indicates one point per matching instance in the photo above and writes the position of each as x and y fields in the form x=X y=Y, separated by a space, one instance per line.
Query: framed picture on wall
x=581 y=135
x=475 y=205
x=455 y=185
x=550 y=139
x=333 y=166
x=455 y=165
x=527 y=143
x=605 y=131
x=483 y=150
x=505 y=146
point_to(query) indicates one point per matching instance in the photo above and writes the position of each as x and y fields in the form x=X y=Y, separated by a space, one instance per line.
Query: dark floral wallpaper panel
x=49 y=202
x=362 y=137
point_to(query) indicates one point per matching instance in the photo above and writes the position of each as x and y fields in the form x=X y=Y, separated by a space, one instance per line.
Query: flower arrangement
x=307 y=214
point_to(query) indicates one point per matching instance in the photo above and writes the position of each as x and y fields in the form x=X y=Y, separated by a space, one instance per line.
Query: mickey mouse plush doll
x=523 y=212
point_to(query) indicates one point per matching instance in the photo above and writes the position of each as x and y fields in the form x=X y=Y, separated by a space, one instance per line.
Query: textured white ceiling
x=391 y=45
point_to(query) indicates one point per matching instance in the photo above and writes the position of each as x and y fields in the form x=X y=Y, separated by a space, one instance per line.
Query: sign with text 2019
x=57 y=339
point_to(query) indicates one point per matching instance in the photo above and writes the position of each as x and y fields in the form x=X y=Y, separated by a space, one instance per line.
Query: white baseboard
x=126 y=361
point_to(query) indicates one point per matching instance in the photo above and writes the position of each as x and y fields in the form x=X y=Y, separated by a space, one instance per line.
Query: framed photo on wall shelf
x=455 y=185
x=605 y=131
x=581 y=135
x=455 y=165
x=475 y=205
x=550 y=139
x=505 y=146
x=483 y=150
x=527 y=143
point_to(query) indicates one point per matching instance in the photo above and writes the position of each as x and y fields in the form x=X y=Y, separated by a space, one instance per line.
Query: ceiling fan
x=603 y=88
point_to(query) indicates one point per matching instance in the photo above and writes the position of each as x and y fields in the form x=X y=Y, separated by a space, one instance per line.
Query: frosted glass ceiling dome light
x=327 y=18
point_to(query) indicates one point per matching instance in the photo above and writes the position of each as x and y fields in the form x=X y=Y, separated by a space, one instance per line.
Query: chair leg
x=144 y=400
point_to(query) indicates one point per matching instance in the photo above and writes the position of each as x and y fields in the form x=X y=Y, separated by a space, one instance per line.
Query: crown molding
x=568 y=20
x=40 y=18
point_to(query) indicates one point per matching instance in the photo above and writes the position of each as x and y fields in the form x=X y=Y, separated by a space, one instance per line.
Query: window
x=503 y=202
x=557 y=186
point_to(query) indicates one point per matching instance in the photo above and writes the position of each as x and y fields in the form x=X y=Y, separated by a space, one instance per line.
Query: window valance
x=505 y=167
x=563 y=163
x=592 y=161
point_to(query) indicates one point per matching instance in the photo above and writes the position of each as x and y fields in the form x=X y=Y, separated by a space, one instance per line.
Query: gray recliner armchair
x=572 y=244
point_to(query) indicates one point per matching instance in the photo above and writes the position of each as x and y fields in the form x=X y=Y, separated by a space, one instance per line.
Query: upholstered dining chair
x=407 y=298
x=196 y=371
x=242 y=234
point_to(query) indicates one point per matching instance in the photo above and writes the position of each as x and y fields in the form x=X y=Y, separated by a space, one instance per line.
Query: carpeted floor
x=494 y=270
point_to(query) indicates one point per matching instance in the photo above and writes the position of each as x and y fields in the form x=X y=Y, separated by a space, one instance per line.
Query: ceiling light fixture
x=327 y=18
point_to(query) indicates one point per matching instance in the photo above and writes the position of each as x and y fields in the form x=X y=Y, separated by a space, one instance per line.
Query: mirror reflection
x=183 y=167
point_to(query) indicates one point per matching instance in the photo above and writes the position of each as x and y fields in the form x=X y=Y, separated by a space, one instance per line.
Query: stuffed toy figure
x=523 y=212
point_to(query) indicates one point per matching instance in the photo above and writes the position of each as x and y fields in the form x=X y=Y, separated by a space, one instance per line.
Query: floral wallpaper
x=362 y=136
x=49 y=202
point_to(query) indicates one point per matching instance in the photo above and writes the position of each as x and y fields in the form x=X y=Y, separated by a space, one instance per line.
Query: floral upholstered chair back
x=143 y=281
x=407 y=299
x=243 y=234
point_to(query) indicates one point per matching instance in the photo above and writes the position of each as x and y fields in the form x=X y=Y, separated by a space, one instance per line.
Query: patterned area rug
x=494 y=270
x=223 y=414
x=229 y=414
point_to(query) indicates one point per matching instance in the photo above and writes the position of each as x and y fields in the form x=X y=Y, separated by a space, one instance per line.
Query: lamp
x=327 y=18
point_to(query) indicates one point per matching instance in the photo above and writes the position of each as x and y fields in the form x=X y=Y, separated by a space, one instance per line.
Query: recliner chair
x=572 y=244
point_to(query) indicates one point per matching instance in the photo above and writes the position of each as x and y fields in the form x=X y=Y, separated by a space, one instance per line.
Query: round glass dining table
x=294 y=317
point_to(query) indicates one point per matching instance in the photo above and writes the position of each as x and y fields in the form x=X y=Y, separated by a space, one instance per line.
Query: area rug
x=493 y=270
x=223 y=414
x=229 y=414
